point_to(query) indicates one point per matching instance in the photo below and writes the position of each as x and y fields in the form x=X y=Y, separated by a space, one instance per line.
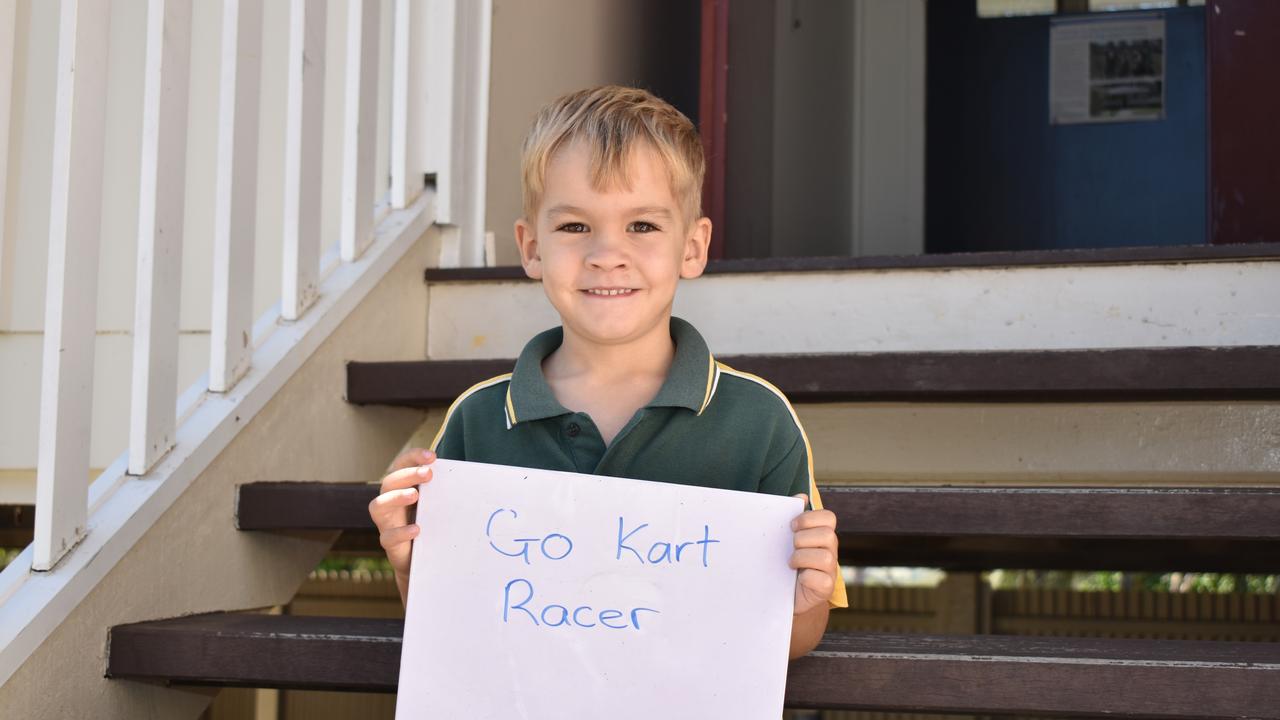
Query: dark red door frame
x=1243 y=46
x=713 y=111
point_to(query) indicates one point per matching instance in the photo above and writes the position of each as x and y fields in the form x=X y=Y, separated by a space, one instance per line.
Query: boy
x=612 y=181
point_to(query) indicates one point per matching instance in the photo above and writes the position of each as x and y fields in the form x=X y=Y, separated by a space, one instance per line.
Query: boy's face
x=610 y=260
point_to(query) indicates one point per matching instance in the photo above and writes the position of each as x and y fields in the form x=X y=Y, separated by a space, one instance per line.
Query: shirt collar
x=690 y=382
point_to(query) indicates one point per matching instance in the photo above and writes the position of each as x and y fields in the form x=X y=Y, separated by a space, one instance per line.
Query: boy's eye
x=641 y=226
x=572 y=227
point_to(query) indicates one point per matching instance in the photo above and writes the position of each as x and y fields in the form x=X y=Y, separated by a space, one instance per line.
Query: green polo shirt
x=709 y=425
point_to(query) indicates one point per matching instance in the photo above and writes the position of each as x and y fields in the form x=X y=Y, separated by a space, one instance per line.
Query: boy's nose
x=608 y=252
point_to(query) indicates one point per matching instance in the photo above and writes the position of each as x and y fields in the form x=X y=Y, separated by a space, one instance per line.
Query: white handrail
x=75 y=209
x=167 y=451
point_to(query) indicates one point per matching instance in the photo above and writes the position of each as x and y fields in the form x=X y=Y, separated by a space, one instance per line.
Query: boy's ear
x=695 y=249
x=527 y=242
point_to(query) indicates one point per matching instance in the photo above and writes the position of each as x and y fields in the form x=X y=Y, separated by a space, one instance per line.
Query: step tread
x=1110 y=375
x=909 y=673
x=1174 y=528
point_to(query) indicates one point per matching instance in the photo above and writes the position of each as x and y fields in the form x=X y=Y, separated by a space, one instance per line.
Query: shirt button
x=572 y=430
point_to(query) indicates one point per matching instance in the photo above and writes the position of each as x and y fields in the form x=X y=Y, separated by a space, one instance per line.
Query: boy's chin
x=614 y=333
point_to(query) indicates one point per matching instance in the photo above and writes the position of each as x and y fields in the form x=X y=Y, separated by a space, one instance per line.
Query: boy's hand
x=815 y=557
x=391 y=509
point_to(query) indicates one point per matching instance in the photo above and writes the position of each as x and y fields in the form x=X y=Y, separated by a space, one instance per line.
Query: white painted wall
x=542 y=50
x=813 y=128
x=826 y=128
x=888 y=127
x=24 y=241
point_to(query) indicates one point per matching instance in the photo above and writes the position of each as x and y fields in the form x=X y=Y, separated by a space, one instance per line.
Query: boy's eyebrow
x=643 y=210
x=652 y=210
x=565 y=210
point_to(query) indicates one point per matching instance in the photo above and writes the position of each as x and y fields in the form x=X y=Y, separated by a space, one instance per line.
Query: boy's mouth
x=609 y=292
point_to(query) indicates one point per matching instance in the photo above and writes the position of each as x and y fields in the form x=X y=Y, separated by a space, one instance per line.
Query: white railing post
x=471 y=88
x=303 y=150
x=235 y=194
x=459 y=88
x=406 y=173
x=8 y=19
x=75 y=210
x=160 y=217
x=435 y=102
x=359 y=131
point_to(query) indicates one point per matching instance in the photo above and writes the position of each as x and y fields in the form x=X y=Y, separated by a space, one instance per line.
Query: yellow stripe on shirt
x=712 y=373
x=467 y=393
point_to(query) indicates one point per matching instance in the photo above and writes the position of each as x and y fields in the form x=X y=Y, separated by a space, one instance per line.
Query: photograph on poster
x=1106 y=70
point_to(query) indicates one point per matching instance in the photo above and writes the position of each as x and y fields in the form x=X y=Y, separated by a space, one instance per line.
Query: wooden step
x=1182 y=373
x=956 y=528
x=902 y=673
x=17 y=523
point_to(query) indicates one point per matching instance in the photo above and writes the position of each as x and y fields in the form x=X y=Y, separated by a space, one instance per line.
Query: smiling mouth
x=609 y=292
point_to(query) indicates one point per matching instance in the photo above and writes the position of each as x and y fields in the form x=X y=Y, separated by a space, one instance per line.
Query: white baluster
x=438 y=104
x=406 y=171
x=160 y=217
x=235 y=194
x=359 y=134
x=303 y=150
x=8 y=20
x=471 y=127
x=75 y=211
x=458 y=89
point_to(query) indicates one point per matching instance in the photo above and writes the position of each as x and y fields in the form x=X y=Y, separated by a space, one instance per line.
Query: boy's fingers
x=819 y=559
x=391 y=504
x=814 y=518
x=395 y=537
x=410 y=458
x=406 y=477
x=817 y=537
x=821 y=583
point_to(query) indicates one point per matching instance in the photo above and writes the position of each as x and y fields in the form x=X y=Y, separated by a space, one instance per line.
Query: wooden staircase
x=958 y=528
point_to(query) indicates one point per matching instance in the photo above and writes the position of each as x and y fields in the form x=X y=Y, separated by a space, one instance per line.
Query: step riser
x=997 y=308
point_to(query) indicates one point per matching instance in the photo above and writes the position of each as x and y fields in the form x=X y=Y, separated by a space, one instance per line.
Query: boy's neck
x=649 y=356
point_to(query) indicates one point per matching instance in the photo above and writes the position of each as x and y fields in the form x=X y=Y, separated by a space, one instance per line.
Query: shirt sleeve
x=794 y=475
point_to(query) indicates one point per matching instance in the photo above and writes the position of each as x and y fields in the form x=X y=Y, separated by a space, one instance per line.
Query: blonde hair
x=610 y=120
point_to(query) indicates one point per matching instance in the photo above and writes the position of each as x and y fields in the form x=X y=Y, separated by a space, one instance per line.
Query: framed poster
x=1106 y=69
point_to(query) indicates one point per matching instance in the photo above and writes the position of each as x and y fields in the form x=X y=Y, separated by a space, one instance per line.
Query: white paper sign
x=538 y=594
